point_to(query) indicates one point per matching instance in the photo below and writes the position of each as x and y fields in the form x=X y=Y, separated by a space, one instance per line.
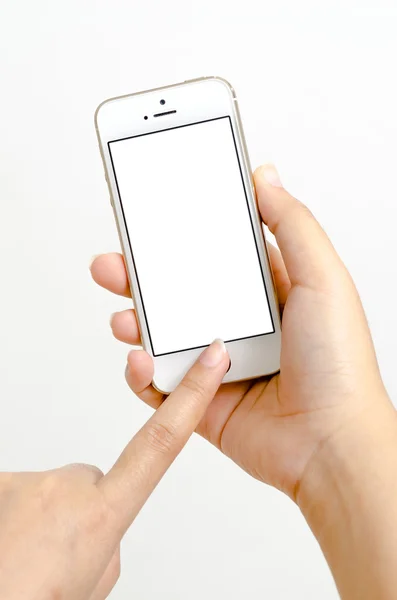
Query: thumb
x=308 y=254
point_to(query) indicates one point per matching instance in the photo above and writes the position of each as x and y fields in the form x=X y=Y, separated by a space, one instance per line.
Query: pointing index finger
x=149 y=454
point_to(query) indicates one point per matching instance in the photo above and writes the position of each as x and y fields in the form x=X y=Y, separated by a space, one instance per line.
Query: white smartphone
x=181 y=188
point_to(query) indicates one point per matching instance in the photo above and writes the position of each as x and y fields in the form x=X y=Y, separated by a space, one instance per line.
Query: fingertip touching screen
x=189 y=227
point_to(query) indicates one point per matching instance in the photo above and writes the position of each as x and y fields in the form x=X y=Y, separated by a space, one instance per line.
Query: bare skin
x=323 y=430
x=60 y=531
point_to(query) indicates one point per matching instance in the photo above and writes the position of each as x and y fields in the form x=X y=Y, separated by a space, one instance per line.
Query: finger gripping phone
x=183 y=198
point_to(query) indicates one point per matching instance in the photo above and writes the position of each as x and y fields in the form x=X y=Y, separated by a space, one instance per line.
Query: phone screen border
x=109 y=142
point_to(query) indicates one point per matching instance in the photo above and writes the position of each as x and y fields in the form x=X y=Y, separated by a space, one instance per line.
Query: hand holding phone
x=272 y=425
x=183 y=198
x=323 y=430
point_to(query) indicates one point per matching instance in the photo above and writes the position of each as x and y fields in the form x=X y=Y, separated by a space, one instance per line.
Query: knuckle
x=93 y=470
x=161 y=438
x=48 y=491
x=303 y=210
x=82 y=469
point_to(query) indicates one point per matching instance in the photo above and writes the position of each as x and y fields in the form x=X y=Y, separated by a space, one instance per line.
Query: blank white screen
x=191 y=236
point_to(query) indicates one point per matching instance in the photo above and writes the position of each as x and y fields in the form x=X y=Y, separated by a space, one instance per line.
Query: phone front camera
x=145 y=117
x=162 y=102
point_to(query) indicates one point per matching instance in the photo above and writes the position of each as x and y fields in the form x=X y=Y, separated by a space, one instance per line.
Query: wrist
x=352 y=463
x=347 y=496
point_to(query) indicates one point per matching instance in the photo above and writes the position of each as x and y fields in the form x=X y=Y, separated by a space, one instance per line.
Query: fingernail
x=214 y=354
x=271 y=176
x=92 y=260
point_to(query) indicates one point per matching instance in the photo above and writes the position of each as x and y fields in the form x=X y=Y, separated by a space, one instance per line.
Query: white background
x=188 y=221
x=317 y=88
